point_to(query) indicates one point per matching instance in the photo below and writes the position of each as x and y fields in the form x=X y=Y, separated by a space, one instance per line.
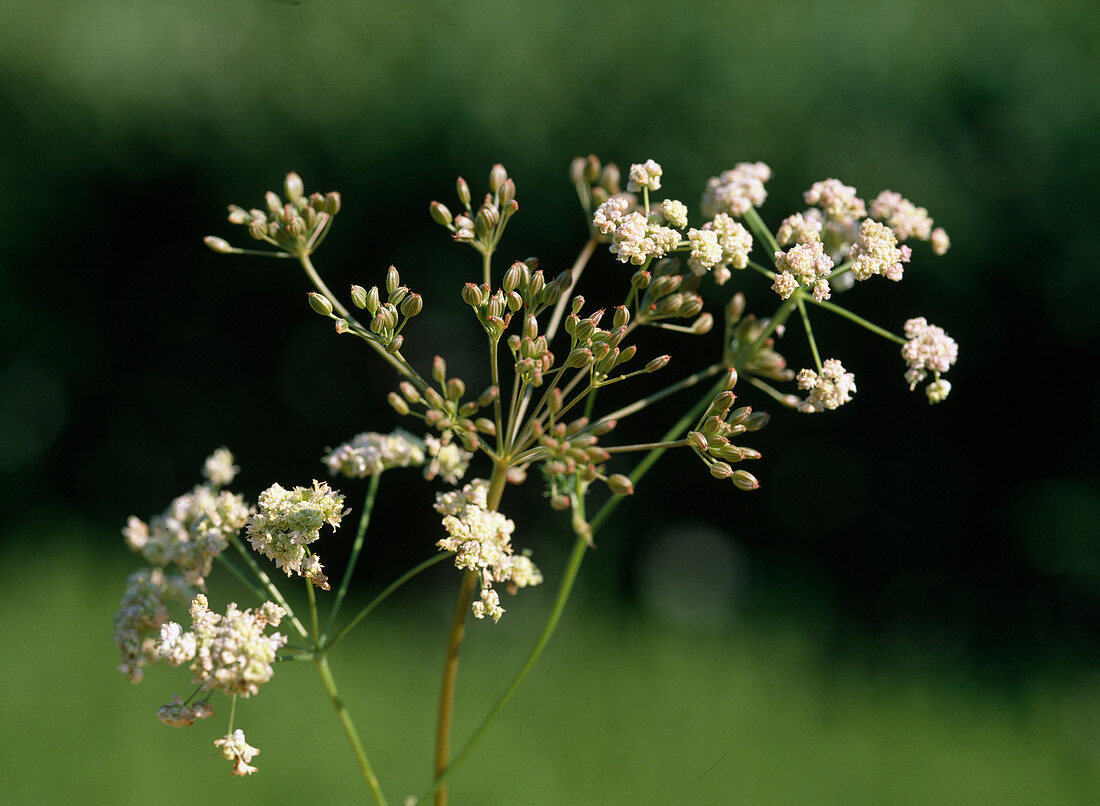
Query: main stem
x=454 y=643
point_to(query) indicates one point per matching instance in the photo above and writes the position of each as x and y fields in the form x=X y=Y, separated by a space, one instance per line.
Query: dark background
x=964 y=533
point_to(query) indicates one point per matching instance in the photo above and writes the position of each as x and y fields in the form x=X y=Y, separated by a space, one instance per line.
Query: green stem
x=342 y=714
x=377 y=600
x=638 y=405
x=809 y=331
x=356 y=548
x=257 y=591
x=859 y=320
x=313 y=620
x=760 y=230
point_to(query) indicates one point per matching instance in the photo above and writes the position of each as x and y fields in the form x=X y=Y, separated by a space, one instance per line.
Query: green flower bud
x=332 y=203
x=576 y=171
x=274 y=204
x=731 y=379
x=485 y=426
x=626 y=354
x=439 y=370
x=559 y=502
x=320 y=304
x=580 y=357
x=514 y=301
x=397 y=295
x=744 y=480
x=293 y=187
x=735 y=308
x=412 y=305
x=471 y=295
x=488 y=396
x=604 y=427
x=218 y=244
x=620 y=484
x=440 y=214
x=720 y=470
x=393 y=279
x=409 y=391
x=513 y=277
x=698 y=441
x=456 y=388
x=609 y=180
x=703 y=324
x=359 y=297
x=693 y=304
x=591 y=169
x=435 y=400
x=463 y=191
x=757 y=420
x=496 y=177
x=342 y=326
x=578 y=303
x=660 y=362
x=397 y=403
x=622 y=317
x=371 y=303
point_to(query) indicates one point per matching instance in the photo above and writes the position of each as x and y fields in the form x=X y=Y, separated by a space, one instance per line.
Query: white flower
x=829 y=390
x=840 y=202
x=736 y=190
x=876 y=251
x=370 y=453
x=233 y=747
x=644 y=175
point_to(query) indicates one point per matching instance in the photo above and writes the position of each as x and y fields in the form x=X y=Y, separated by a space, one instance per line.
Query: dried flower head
x=829 y=390
x=289 y=520
x=227 y=653
x=233 y=747
x=177 y=715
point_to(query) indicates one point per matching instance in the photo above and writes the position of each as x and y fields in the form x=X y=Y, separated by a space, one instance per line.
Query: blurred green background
x=906 y=612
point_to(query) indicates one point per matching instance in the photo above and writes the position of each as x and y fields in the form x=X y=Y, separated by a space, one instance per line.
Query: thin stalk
x=269 y=586
x=859 y=320
x=760 y=230
x=809 y=331
x=381 y=597
x=342 y=714
x=684 y=383
x=313 y=619
x=396 y=361
x=356 y=548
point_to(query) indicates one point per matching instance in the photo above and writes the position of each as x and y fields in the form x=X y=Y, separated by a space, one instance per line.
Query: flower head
x=449 y=460
x=736 y=190
x=902 y=216
x=644 y=175
x=177 y=715
x=481 y=540
x=369 y=453
x=141 y=613
x=829 y=390
x=928 y=349
x=233 y=747
x=876 y=251
x=228 y=653
x=838 y=201
x=289 y=520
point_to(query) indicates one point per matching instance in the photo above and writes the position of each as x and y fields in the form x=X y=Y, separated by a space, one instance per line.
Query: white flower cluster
x=804 y=264
x=736 y=190
x=289 y=520
x=928 y=349
x=196 y=527
x=228 y=653
x=233 y=747
x=800 y=228
x=481 y=540
x=876 y=251
x=370 y=453
x=449 y=460
x=829 y=390
x=634 y=237
x=840 y=202
x=721 y=243
x=644 y=175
